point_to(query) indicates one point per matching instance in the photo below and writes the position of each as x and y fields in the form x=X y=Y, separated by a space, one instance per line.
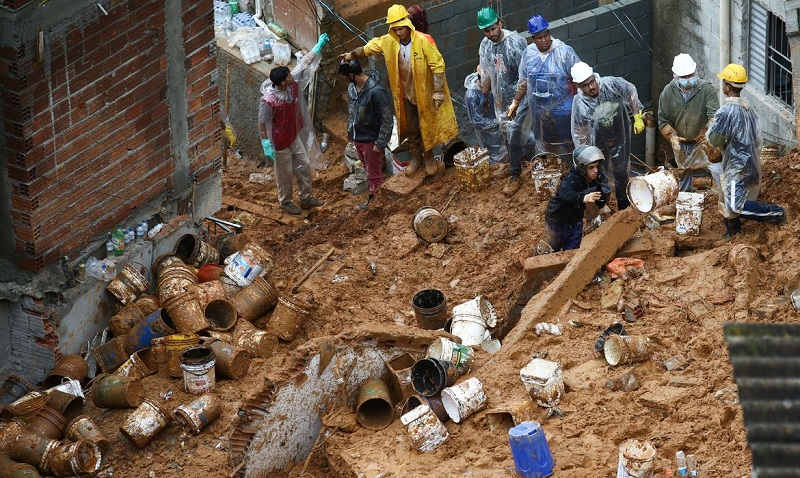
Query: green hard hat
x=486 y=17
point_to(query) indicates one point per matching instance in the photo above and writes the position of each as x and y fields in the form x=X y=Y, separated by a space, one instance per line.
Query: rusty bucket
x=230 y=286
x=260 y=343
x=232 y=362
x=139 y=365
x=164 y=262
x=9 y=432
x=75 y=459
x=167 y=353
x=144 y=423
x=255 y=300
x=147 y=303
x=124 y=320
x=208 y=291
x=374 y=410
x=48 y=423
x=113 y=391
x=186 y=313
x=12 y=469
x=111 y=354
x=27 y=404
x=83 y=428
x=32 y=448
x=13 y=388
x=220 y=315
x=196 y=415
x=175 y=279
x=129 y=284
x=287 y=318
x=67 y=404
x=158 y=324
x=192 y=250
x=68 y=366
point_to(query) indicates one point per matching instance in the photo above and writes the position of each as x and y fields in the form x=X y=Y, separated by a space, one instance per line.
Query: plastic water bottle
x=266 y=52
x=144 y=228
x=139 y=234
x=691 y=465
x=323 y=144
x=110 y=248
x=680 y=459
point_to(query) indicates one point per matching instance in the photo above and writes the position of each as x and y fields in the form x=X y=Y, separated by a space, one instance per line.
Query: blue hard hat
x=537 y=24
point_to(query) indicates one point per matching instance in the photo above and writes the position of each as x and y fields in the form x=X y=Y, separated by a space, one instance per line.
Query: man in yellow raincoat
x=425 y=115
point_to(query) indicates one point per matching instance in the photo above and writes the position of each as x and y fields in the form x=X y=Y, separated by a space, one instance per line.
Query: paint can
x=208 y=291
x=197 y=363
x=113 y=391
x=64 y=403
x=32 y=448
x=374 y=408
x=689 y=213
x=400 y=369
x=287 y=318
x=459 y=356
x=529 y=448
x=168 y=352
x=48 y=423
x=232 y=362
x=255 y=300
x=129 y=284
x=139 y=365
x=83 y=428
x=636 y=459
x=71 y=366
x=185 y=311
x=430 y=376
x=13 y=388
x=158 y=324
x=434 y=402
x=259 y=343
x=124 y=320
x=424 y=429
x=653 y=191
x=430 y=224
x=74 y=459
x=472 y=319
x=626 y=349
x=544 y=381
x=220 y=315
x=199 y=413
x=464 y=400
x=244 y=266
x=111 y=354
x=545 y=182
x=508 y=416
x=430 y=309
x=230 y=286
x=27 y=404
x=192 y=250
x=147 y=303
x=144 y=423
x=164 y=262
x=473 y=168
x=175 y=279
x=12 y=469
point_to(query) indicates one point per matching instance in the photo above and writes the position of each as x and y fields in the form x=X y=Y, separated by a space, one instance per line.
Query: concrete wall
x=692 y=26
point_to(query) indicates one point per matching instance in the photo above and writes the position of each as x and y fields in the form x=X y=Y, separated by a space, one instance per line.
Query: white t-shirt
x=406 y=76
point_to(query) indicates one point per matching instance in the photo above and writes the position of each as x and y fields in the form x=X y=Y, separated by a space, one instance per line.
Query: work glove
x=269 y=150
x=230 y=134
x=638 y=123
x=438 y=99
x=701 y=137
x=323 y=39
x=512 y=110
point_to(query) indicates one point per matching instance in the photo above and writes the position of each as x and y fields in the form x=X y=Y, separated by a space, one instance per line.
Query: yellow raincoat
x=436 y=126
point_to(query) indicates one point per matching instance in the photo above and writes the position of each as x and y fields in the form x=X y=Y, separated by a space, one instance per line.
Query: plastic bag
x=104 y=270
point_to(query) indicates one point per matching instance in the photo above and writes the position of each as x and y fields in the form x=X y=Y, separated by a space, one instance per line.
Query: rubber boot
x=416 y=163
x=732 y=227
x=363 y=206
x=431 y=166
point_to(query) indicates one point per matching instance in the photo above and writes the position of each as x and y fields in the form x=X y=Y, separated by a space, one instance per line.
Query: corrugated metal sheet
x=766 y=367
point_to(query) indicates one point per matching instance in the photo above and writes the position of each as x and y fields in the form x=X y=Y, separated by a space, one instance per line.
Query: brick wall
x=87 y=131
x=33 y=339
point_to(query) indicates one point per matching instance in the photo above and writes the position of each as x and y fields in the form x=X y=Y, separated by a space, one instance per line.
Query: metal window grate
x=779 y=63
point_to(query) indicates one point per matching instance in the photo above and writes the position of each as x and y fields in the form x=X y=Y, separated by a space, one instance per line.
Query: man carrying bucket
x=737 y=130
x=600 y=117
x=579 y=187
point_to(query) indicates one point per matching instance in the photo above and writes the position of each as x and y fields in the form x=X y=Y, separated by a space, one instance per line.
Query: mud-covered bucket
x=124 y=320
x=459 y=356
x=430 y=309
x=129 y=284
x=111 y=354
x=158 y=324
x=66 y=404
x=186 y=313
x=430 y=376
x=199 y=413
x=167 y=352
x=464 y=400
x=529 y=448
x=434 y=402
x=430 y=224
x=289 y=315
x=472 y=319
x=400 y=369
x=139 y=365
x=626 y=349
x=255 y=300
x=192 y=250
x=48 y=423
x=425 y=430
x=13 y=388
x=12 y=469
x=144 y=423
x=232 y=362
x=650 y=192
x=544 y=381
x=374 y=407
x=32 y=448
x=208 y=291
x=175 y=279
x=114 y=391
x=71 y=366
x=545 y=182
x=689 y=213
x=84 y=428
x=197 y=364
x=636 y=459
x=74 y=459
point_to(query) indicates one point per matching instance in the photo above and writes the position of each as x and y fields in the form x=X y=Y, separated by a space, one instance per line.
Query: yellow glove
x=230 y=134
x=638 y=123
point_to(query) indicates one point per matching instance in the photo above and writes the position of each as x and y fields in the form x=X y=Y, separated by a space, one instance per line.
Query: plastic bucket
x=532 y=456
x=232 y=362
x=434 y=402
x=192 y=250
x=83 y=428
x=48 y=423
x=544 y=381
x=260 y=343
x=464 y=400
x=186 y=313
x=128 y=284
x=124 y=320
x=209 y=272
x=650 y=192
x=220 y=315
x=545 y=182
x=75 y=459
x=459 y=356
x=255 y=300
x=430 y=376
x=374 y=408
x=199 y=413
x=430 y=224
x=424 y=428
x=689 y=213
x=13 y=388
x=158 y=324
x=471 y=319
x=636 y=459
x=288 y=316
x=144 y=423
x=111 y=354
x=430 y=309
x=197 y=364
x=626 y=349
x=244 y=266
x=113 y=391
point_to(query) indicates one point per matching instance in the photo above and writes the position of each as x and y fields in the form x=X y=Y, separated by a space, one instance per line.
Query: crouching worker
x=580 y=186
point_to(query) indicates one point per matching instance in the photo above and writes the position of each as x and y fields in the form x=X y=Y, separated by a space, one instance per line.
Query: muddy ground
x=688 y=290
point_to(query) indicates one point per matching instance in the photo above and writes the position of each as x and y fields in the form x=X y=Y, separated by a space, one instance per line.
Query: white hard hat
x=580 y=72
x=683 y=65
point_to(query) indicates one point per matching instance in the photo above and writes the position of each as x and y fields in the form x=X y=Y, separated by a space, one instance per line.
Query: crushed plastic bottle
x=155 y=230
x=691 y=465
x=552 y=329
x=339 y=279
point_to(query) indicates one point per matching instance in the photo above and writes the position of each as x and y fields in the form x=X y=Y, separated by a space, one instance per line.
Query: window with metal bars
x=779 y=63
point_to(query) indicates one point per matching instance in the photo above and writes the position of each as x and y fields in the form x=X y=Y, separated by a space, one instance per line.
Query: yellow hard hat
x=734 y=73
x=396 y=13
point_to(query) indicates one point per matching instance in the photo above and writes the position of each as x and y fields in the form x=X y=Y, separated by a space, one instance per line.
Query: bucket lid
x=524 y=428
x=415 y=414
x=540 y=369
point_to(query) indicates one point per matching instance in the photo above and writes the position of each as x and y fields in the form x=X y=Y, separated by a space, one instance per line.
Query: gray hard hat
x=586 y=155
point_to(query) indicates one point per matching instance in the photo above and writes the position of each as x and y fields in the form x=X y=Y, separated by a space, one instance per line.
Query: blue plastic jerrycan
x=532 y=457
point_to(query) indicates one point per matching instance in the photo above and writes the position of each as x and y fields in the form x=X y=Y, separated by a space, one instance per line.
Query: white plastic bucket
x=460 y=356
x=546 y=181
x=544 y=381
x=424 y=428
x=243 y=268
x=636 y=459
x=689 y=213
x=471 y=319
x=650 y=192
x=463 y=400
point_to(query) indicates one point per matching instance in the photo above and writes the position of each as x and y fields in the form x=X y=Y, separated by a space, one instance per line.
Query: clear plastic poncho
x=737 y=130
x=302 y=73
x=550 y=91
x=487 y=128
x=500 y=64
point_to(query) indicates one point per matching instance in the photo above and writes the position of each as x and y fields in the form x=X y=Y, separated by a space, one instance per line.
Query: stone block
x=663 y=399
x=585 y=375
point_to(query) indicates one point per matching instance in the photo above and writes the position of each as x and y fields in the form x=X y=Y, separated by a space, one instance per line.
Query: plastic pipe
x=724 y=39
x=650 y=147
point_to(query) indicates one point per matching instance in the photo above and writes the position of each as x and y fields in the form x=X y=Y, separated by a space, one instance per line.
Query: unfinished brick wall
x=87 y=126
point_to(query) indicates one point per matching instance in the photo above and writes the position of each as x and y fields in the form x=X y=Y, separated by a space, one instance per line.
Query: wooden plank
x=258 y=210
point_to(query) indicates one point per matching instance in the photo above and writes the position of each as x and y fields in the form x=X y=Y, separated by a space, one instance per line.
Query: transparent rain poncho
x=500 y=64
x=302 y=73
x=487 y=128
x=737 y=130
x=550 y=91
